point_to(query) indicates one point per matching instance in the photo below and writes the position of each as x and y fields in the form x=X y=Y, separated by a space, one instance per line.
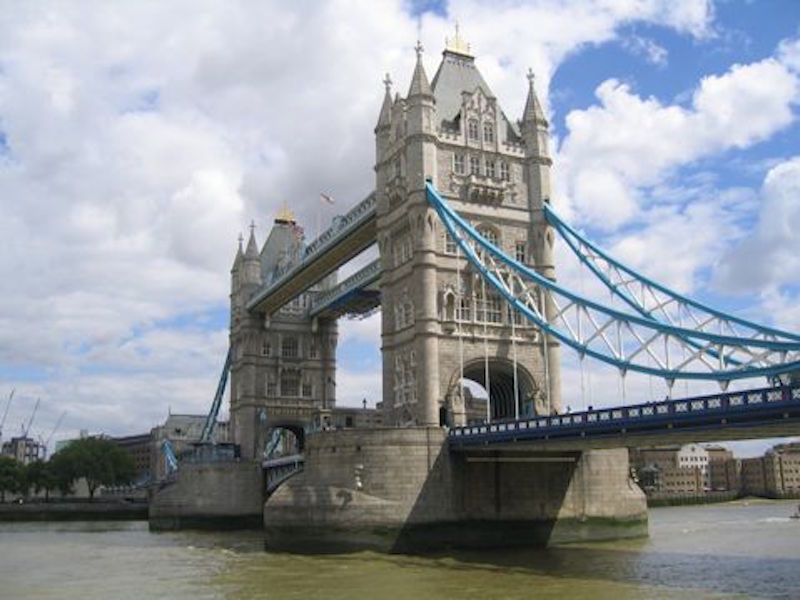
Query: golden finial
x=285 y=215
x=458 y=44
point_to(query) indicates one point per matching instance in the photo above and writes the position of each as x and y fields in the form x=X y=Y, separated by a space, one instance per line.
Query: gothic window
x=458 y=164
x=271 y=389
x=519 y=251
x=492 y=308
x=490 y=171
x=403 y=249
x=312 y=349
x=464 y=311
x=405 y=380
x=488 y=132
x=504 y=173
x=474 y=165
x=307 y=389
x=265 y=347
x=449 y=244
x=403 y=314
x=514 y=314
x=489 y=235
x=472 y=129
x=289 y=347
x=290 y=383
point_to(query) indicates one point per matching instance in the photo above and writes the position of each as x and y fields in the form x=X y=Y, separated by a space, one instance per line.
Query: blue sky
x=137 y=141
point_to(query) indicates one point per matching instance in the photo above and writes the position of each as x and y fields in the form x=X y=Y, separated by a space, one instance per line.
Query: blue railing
x=736 y=407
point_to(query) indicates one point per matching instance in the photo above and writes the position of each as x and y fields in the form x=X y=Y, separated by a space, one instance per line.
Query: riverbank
x=83 y=510
x=654 y=501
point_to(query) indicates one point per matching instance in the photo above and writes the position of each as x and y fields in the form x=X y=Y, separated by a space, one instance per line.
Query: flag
x=326 y=198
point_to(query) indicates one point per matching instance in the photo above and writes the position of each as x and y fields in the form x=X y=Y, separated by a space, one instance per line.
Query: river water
x=743 y=549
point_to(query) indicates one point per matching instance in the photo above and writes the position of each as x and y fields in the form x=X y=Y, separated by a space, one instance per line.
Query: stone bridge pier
x=403 y=490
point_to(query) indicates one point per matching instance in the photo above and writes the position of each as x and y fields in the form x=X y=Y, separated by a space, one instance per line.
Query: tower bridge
x=466 y=282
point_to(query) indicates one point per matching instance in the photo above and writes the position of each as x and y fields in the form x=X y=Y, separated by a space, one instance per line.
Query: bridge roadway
x=348 y=236
x=760 y=413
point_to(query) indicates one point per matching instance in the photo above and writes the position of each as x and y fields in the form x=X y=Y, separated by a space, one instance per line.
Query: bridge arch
x=501 y=386
x=281 y=437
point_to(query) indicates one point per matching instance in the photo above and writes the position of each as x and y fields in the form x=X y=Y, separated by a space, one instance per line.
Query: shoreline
x=96 y=510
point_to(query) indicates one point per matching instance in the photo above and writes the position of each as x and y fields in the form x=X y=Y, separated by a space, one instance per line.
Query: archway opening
x=502 y=401
x=283 y=440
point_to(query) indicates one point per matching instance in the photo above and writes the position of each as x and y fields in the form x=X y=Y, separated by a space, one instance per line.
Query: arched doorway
x=502 y=402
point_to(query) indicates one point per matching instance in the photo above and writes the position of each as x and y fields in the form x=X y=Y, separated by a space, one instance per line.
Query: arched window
x=488 y=132
x=474 y=165
x=472 y=129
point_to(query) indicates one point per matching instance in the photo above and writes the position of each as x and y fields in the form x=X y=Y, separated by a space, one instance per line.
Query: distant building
x=182 y=432
x=718 y=458
x=691 y=469
x=24 y=449
x=694 y=456
x=774 y=475
x=139 y=447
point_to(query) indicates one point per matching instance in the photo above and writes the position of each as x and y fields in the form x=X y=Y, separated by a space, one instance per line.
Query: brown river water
x=743 y=549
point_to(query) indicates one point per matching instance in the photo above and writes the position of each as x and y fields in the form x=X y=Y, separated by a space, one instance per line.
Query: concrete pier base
x=218 y=495
x=402 y=490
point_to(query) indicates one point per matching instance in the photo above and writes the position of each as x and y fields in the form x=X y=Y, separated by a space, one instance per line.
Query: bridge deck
x=763 y=413
x=346 y=238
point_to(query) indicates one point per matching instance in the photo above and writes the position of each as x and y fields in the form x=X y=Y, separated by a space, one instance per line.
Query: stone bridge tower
x=283 y=370
x=440 y=325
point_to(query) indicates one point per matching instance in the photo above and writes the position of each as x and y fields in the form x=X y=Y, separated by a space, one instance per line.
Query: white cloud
x=647 y=48
x=140 y=138
x=770 y=256
x=635 y=142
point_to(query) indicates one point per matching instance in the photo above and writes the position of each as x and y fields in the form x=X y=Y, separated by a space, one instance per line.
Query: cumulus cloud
x=770 y=256
x=137 y=140
x=627 y=142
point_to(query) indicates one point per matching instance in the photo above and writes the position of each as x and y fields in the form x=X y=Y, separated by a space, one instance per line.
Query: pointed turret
x=419 y=80
x=237 y=262
x=533 y=112
x=385 y=118
x=252 y=262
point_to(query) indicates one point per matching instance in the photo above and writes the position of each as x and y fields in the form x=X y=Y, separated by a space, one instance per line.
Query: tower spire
x=385 y=117
x=419 y=80
x=533 y=112
x=252 y=246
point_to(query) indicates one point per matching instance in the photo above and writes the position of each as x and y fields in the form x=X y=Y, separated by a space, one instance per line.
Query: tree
x=39 y=476
x=11 y=476
x=100 y=461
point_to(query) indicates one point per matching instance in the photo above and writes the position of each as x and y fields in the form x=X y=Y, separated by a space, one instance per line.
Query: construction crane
x=30 y=421
x=46 y=443
x=5 y=414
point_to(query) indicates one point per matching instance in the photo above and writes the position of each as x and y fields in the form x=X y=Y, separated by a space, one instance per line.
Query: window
x=289 y=347
x=307 y=390
x=489 y=235
x=488 y=132
x=504 y=174
x=519 y=251
x=398 y=168
x=493 y=310
x=290 y=383
x=464 y=312
x=312 y=349
x=403 y=249
x=458 y=164
x=265 y=348
x=474 y=165
x=472 y=129
x=449 y=244
x=490 y=171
